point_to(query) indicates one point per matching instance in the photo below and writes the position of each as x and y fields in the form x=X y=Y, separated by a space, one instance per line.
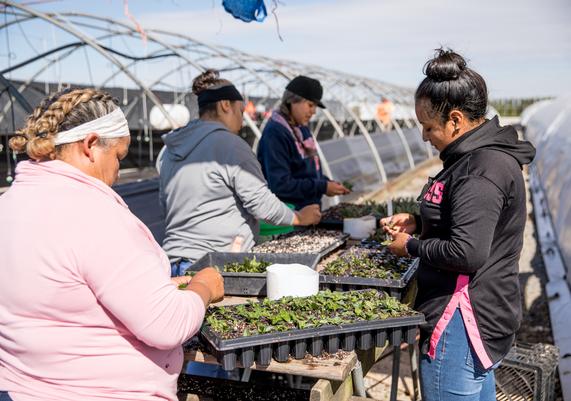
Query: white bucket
x=291 y=280
x=360 y=227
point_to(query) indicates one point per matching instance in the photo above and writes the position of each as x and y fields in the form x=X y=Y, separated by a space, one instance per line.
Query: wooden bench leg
x=414 y=371
x=358 y=380
x=395 y=373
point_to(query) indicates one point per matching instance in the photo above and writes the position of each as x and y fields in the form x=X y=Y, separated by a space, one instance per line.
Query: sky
x=521 y=47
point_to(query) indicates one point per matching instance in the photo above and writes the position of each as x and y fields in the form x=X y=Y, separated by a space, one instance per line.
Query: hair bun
x=445 y=66
x=205 y=80
x=18 y=143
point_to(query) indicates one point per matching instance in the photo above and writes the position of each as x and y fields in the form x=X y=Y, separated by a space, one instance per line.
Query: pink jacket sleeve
x=129 y=274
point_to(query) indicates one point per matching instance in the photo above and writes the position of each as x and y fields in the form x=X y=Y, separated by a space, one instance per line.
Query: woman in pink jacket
x=87 y=307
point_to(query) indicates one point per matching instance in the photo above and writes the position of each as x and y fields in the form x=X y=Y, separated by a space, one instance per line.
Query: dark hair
x=450 y=84
x=288 y=99
x=209 y=79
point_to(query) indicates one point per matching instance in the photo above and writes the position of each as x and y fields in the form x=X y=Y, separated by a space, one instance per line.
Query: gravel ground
x=536 y=326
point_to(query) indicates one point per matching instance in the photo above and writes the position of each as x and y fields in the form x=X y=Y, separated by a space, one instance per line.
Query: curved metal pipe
x=98 y=48
x=401 y=136
x=22 y=87
x=376 y=156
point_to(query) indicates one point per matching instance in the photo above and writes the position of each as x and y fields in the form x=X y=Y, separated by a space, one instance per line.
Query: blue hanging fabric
x=246 y=10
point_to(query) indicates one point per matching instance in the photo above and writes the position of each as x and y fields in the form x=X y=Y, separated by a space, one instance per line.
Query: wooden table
x=336 y=369
x=335 y=376
x=335 y=381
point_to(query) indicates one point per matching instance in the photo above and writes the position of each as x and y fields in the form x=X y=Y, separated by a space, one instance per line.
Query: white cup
x=294 y=279
x=360 y=227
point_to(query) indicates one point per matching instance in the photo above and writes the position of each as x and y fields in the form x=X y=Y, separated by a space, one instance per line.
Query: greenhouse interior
x=383 y=161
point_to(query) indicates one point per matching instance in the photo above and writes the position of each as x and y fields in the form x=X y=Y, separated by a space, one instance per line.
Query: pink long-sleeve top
x=87 y=308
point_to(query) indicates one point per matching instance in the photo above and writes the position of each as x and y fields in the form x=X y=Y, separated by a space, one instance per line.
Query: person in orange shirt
x=384 y=112
x=250 y=110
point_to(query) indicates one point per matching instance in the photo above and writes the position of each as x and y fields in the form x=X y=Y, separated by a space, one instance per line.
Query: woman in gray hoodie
x=211 y=184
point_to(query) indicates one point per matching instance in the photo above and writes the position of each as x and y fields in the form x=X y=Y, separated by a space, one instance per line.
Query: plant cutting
x=381 y=237
x=348 y=185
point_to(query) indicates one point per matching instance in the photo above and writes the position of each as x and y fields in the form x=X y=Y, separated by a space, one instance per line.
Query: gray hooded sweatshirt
x=212 y=189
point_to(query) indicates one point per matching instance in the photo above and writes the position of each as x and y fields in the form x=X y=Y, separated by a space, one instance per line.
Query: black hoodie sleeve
x=476 y=204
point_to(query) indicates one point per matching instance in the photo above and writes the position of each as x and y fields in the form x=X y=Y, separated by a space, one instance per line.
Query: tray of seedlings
x=290 y=327
x=314 y=241
x=370 y=266
x=332 y=218
x=245 y=273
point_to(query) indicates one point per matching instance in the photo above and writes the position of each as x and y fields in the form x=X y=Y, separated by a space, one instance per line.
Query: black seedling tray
x=331 y=224
x=338 y=224
x=261 y=348
x=251 y=284
x=395 y=288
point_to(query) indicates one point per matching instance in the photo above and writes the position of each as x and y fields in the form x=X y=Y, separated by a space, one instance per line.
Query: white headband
x=112 y=125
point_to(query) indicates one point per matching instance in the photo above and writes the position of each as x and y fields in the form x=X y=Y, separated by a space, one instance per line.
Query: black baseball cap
x=307 y=88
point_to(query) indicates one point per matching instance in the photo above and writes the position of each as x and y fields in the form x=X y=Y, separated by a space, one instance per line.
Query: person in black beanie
x=472 y=217
x=288 y=152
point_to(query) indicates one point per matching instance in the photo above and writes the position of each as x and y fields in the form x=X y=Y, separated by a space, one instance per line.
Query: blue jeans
x=456 y=373
x=4 y=396
x=179 y=268
x=206 y=370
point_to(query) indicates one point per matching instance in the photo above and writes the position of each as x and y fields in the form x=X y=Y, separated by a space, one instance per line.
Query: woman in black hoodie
x=472 y=217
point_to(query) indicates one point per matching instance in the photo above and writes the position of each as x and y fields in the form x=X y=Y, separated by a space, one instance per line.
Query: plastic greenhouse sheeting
x=351 y=159
x=418 y=147
x=532 y=109
x=549 y=129
x=544 y=115
x=392 y=153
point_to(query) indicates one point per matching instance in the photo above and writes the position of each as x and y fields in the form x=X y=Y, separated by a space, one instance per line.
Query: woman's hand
x=181 y=280
x=307 y=216
x=398 y=246
x=209 y=284
x=336 y=188
x=401 y=222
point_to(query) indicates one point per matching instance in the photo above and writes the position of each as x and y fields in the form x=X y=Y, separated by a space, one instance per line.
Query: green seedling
x=247 y=266
x=348 y=185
